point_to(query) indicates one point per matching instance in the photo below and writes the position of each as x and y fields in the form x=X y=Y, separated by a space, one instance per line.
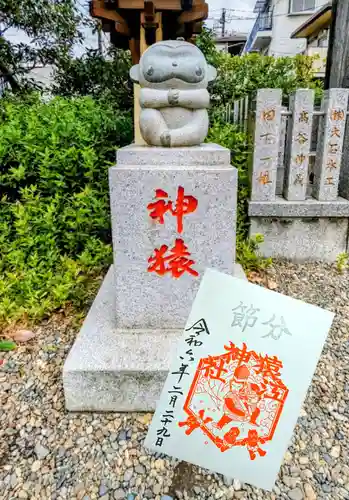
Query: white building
x=316 y=31
x=276 y=22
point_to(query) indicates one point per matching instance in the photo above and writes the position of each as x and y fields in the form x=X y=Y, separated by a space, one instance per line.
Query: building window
x=297 y=6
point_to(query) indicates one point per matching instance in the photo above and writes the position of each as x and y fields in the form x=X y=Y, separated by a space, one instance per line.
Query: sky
x=239 y=16
x=234 y=9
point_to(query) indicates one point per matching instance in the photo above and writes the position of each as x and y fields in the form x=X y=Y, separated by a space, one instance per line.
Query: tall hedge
x=240 y=76
x=54 y=213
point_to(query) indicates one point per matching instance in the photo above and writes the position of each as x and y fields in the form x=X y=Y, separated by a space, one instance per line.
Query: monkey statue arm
x=191 y=99
x=153 y=98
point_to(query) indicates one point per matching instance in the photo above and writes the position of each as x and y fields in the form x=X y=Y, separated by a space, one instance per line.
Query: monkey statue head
x=173 y=64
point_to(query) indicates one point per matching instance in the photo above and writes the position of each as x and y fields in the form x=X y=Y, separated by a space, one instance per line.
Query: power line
x=243 y=18
x=251 y=18
x=250 y=11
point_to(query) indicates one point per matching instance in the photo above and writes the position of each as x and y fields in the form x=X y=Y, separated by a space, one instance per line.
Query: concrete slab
x=112 y=369
x=304 y=208
x=301 y=239
x=207 y=155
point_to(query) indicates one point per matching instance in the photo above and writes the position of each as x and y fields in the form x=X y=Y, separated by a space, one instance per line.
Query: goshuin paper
x=238 y=380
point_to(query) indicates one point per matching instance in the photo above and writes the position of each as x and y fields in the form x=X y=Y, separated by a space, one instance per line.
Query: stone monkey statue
x=173 y=76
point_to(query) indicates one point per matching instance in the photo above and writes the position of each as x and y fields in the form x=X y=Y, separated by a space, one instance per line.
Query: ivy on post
x=330 y=144
x=298 y=145
x=266 y=144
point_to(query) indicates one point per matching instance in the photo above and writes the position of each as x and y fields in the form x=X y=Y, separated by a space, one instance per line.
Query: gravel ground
x=46 y=453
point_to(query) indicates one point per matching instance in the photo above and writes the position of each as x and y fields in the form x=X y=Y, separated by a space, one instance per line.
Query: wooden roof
x=317 y=22
x=178 y=5
x=124 y=18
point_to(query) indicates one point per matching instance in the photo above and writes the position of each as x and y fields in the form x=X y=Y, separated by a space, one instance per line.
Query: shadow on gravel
x=185 y=479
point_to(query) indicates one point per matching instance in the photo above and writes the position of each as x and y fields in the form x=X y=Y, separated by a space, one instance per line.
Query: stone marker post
x=330 y=144
x=298 y=144
x=266 y=145
x=173 y=215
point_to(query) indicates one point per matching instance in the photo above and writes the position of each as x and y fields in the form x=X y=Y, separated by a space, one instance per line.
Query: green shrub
x=54 y=212
x=96 y=75
x=342 y=262
x=229 y=136
x=240 y=76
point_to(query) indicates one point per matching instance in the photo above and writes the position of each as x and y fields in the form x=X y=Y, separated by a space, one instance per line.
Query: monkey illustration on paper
x=173 y=76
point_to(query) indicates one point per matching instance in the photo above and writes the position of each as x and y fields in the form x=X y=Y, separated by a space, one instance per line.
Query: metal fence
x=238 y=113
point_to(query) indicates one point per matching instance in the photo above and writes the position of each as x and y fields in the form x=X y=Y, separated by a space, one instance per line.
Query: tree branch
x=7 y=75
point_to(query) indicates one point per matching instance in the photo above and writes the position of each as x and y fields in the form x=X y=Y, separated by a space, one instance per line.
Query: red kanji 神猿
x=236 y=399
x=175 y=261
x=184 y=205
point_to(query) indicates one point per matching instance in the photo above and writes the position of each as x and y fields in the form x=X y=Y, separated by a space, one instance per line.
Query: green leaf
x=7 y=345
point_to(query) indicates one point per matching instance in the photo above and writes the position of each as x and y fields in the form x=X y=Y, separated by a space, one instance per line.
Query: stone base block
x=310 y=207
x=111 y=369
x=191 y=194
x=301 y=239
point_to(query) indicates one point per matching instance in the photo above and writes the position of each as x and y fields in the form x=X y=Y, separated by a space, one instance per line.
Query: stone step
x=110 y=369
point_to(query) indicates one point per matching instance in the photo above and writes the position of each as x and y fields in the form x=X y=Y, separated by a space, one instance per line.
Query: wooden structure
x=136 y=24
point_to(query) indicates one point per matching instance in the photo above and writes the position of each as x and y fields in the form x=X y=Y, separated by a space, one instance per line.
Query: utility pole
x=337 y=70
x=337 y=74
x=223 y=21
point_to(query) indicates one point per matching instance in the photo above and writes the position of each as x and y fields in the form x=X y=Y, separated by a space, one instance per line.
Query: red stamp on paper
x=236 y=399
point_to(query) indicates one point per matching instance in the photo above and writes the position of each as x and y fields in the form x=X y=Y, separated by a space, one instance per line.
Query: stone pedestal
x=173 y=215
x=301 y=230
